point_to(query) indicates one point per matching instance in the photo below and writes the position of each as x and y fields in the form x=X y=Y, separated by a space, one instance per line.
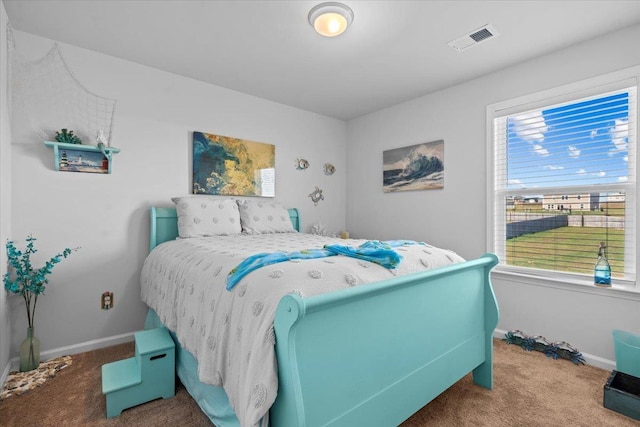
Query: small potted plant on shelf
x=67 y=137
x=28 y=282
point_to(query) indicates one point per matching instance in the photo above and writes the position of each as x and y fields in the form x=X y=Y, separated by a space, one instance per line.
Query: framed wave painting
x=228 y=166
x=416 y=167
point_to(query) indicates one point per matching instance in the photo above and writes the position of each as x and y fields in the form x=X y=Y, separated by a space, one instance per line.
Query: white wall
x=455 y=217
x=5 y=193
x=107 y=215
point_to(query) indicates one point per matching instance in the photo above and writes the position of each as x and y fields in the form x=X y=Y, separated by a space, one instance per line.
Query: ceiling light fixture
x=330 y=19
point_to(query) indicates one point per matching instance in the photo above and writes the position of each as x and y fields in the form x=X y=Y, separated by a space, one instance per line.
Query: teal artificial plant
x=28 y=282
x=67 y=137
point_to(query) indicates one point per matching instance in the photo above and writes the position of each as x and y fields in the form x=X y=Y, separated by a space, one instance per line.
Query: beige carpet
x=530 y=390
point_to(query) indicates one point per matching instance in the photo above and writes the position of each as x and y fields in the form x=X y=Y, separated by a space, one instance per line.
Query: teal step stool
x=147 y=376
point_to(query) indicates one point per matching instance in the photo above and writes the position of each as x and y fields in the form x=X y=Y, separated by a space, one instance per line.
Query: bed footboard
x=375 y=354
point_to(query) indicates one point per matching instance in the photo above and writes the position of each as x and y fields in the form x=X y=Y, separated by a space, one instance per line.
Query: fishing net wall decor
x=47 y=95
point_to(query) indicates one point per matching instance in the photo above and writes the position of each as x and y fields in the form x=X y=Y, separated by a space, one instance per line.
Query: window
x=574 y=150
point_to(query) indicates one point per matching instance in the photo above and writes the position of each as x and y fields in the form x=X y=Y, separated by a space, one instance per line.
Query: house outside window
x=574 y=149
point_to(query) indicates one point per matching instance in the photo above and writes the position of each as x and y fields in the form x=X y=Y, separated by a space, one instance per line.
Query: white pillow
x=200 y=216
x=258 y=216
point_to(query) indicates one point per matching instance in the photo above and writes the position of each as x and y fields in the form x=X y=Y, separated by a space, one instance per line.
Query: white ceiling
x=394 y=50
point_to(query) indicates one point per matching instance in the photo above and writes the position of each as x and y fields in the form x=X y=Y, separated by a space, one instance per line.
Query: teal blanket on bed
x=375 y=251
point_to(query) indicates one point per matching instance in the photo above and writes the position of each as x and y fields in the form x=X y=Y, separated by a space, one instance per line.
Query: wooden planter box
x=622 y=394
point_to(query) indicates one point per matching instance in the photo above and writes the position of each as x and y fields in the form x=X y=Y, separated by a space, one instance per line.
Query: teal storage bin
x=622 y=394
x=627 y=349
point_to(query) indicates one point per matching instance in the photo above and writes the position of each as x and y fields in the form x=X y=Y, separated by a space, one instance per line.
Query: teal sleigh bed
x=367 y=355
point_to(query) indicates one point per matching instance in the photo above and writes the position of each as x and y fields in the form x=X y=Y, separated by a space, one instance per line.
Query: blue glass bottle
x=602 y=270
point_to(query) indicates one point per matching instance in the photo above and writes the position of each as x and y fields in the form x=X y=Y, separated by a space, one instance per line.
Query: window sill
x=569 y=284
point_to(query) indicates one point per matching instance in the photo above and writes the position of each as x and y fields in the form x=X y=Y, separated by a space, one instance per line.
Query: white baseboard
x=14 y=363
x=590 y=359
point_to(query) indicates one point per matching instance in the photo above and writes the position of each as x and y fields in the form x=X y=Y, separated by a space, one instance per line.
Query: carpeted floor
x=529 y=390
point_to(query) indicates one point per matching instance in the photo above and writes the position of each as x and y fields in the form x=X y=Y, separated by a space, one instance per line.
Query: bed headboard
x=164 y=224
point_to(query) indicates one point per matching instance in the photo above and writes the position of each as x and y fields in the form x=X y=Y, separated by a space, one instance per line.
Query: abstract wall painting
x=229 y=166
x=416 y=167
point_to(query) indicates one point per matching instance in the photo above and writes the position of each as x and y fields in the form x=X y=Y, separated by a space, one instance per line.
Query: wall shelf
x=82 y=158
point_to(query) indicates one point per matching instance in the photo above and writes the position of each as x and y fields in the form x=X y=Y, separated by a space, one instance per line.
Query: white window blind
x=564 y=180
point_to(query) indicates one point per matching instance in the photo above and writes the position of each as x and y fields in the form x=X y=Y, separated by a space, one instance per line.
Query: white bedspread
x=231 y=332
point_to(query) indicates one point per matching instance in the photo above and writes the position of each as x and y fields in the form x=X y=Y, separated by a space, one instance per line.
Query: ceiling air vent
x=473 y=38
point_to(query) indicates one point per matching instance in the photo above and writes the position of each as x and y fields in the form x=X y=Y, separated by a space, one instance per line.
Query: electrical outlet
x=106 y=300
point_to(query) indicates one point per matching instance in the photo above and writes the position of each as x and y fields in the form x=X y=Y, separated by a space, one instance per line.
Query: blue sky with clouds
x=581 y=143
